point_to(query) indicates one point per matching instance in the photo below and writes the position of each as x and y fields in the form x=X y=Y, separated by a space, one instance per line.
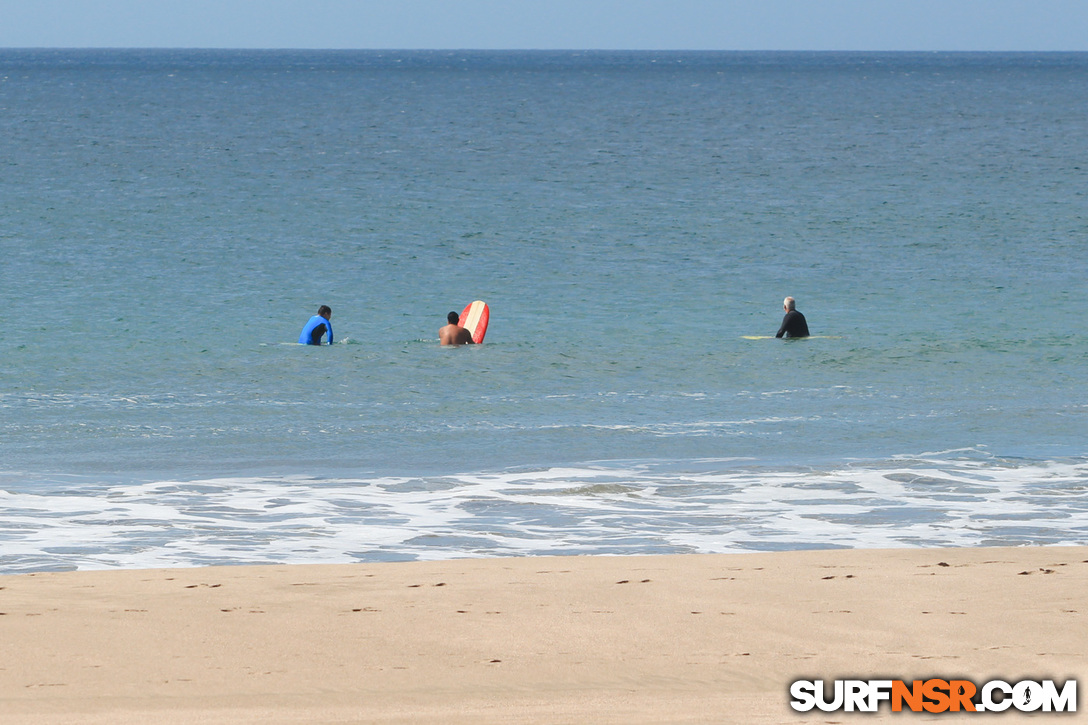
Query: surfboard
x=474 y=319
x=810 y=337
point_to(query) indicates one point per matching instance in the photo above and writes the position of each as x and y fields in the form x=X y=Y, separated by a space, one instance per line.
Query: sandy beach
x=648 y=639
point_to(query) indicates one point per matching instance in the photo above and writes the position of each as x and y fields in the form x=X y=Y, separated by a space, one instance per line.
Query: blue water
x=172 y=218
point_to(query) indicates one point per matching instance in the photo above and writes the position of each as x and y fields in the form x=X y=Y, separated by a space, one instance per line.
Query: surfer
x=316 y=327
x=454 y=334
x=793 y=324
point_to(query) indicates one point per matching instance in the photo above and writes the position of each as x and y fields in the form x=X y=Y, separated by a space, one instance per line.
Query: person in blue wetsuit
x=793 y=324
x=316 y=328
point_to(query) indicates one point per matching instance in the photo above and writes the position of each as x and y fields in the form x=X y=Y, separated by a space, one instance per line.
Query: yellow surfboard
x=810 y=337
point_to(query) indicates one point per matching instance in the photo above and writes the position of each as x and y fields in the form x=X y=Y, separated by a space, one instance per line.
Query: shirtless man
x=454 y=334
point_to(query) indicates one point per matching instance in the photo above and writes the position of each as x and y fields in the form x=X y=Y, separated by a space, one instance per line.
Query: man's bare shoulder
x=454 y=335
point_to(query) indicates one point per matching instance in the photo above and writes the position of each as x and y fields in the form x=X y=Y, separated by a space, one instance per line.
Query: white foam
x=632 y=507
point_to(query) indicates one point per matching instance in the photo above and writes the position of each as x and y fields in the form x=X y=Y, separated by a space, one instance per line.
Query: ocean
x=171 y=219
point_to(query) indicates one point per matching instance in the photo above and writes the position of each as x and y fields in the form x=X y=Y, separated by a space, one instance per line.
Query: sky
x=970 y=25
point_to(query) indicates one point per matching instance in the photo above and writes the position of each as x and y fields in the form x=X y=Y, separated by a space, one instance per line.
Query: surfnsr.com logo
x=935 y=695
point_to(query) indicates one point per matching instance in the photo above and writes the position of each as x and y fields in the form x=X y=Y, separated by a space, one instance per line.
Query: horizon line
x=532 y=50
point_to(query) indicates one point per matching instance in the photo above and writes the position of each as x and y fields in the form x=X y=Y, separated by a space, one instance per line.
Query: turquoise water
x=172 y=218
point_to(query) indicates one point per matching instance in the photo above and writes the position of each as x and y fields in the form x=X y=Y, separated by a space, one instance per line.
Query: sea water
x=171 y=219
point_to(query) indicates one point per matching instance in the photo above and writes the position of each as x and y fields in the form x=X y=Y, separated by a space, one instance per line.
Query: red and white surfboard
x=474 y=319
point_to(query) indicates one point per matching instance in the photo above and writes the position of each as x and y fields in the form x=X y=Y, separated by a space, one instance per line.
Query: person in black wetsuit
x=793 y=324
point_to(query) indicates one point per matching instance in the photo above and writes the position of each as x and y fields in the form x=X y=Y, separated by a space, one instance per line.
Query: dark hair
x=324 y=310
x=453 y=318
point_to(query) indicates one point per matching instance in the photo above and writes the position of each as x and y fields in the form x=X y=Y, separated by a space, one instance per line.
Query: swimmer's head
x=453 y=318
x=324 y=311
